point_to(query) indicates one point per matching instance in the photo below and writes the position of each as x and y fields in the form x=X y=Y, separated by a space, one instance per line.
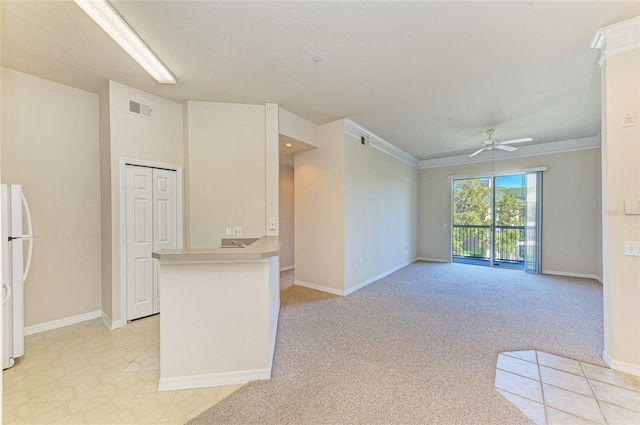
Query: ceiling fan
x=491 y=144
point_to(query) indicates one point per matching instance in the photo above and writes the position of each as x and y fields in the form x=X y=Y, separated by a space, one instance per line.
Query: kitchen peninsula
x=219 y=315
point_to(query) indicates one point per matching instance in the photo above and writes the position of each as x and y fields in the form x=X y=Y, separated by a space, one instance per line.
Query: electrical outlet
x=632 y=248
x=237 y=231
x=272 y=224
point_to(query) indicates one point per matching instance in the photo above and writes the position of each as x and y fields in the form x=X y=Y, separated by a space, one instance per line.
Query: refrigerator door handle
x=7 y=295
x=28 y=236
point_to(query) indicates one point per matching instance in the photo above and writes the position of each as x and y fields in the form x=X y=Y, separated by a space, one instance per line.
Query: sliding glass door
x=496 y=221
x=509 y=199
x=472 y=237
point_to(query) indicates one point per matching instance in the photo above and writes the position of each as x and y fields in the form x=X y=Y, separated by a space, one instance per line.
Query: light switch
x=632 y=248
x=629 y=119
x=229 y=233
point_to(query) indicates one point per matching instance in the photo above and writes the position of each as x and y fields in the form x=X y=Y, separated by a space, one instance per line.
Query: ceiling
x=429 y=77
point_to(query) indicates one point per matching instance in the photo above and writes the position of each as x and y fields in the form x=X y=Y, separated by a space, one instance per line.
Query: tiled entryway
x=88 y=374
x=551 y=390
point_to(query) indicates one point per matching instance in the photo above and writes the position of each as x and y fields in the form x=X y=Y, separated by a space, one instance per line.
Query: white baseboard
x=352 y=289
x=319 y=287
x=570 y=274
x=109 y=323
x=433 y=260
x=213 y=379
x=272 y=348
x=60 y=323
x=285 y=268
x=378 y=277
x=633 y=369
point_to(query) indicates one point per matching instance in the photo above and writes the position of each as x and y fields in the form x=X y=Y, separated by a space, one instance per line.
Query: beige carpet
x=417 y=347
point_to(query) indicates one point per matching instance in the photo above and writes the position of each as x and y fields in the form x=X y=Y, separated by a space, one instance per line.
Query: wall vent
x=138 y=108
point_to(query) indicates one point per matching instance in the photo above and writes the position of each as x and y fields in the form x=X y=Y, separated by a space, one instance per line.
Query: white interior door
x=151 y=224
x=165 y=228
x=139 y=214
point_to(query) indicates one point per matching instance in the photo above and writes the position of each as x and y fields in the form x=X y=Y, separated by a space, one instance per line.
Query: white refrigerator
x=15 y=268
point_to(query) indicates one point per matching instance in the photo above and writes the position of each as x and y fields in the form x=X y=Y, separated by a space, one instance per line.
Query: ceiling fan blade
x=505 y=148
x=510 y=142
x=477 y=152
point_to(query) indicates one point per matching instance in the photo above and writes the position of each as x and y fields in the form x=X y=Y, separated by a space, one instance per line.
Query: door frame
x=123 y=214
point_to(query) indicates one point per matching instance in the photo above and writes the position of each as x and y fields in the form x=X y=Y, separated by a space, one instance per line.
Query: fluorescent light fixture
x=113 y=24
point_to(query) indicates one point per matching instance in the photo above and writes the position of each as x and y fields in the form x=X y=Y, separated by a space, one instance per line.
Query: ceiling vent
x=140 y=109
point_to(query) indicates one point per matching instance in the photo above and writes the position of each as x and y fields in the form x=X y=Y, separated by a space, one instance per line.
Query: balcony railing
x=474 y=242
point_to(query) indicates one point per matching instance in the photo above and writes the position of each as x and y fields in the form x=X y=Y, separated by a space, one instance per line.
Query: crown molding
x=356 y=130
x=617 y=38
x=524 y=151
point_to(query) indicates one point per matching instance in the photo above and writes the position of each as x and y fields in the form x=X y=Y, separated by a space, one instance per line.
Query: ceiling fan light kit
x=491 y=144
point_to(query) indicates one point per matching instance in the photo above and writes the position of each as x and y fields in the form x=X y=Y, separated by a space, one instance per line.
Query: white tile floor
x=88 y=374
x=552 y=390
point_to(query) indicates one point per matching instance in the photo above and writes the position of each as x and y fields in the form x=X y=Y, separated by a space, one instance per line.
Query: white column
x=620 y=67
x=272 y=169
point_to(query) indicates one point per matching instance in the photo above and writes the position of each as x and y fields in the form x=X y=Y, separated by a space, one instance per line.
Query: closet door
x=151 y=225
x=139 y=244
x=165 y=223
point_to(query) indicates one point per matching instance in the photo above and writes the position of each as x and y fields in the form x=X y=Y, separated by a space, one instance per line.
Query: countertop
x=266 y=246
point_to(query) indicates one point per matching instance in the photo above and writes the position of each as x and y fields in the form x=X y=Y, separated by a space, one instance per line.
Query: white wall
x=158 y=140
x=319 y=211
x=571 y=203
x=621 y=181
x=50 y=146
x=599 y=262
x=287 y=257
x=231 y=301
x=381 y=212
x=226 y=171
x=105 y=202
x=272 y=170
x=355 y=212
x=297 y=128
